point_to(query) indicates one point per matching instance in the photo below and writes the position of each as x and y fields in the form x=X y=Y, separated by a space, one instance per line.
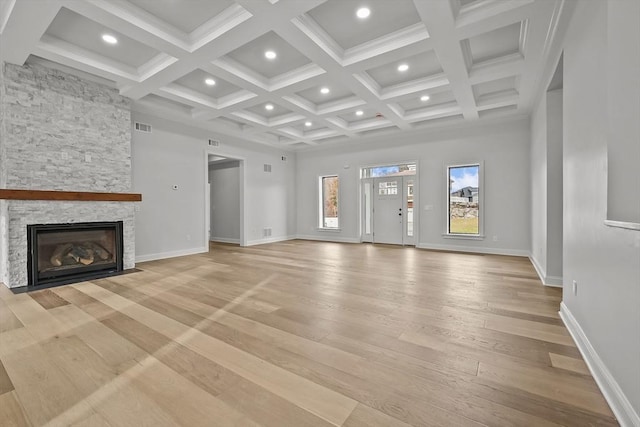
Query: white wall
x=623 y=83
x=225 y=202
x=546 y=187
x=554 y=187
x=539 y=187
x=504 y=149
x=605 y=261
x=172 y=222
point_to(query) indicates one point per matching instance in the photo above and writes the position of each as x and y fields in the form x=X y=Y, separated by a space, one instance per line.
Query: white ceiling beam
x=174 y=114
x=263 y=19
x=24 y=28
x=438 y=17
x=390 y=56
x=125 y=18
x=72 y=56
x=506 y=66
x=498 y=99
x=490 y=15
x=296 y=35
x=541 y=27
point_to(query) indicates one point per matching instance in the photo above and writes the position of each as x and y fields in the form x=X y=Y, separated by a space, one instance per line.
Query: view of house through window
x=464 y=206
x=329 y=188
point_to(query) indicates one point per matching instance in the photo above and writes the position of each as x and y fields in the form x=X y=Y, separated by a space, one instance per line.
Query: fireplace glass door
x=63 y=253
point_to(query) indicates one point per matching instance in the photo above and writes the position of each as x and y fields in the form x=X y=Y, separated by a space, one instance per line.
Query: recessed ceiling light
x=210 y=82
x=308 y=124
x=363 y=12
x=403 y=67
x=424 y=98
x=324 y=90
x=359 y=113
x=270 y=54
x=108 y=38
x=269 y=107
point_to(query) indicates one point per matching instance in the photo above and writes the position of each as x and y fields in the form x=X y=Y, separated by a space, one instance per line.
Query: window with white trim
x=329 y=188
x=464 y=209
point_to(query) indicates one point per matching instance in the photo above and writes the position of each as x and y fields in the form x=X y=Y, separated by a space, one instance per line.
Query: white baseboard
x=269 y=240
x=224 y=240
x=171 y=254
x=328 y=238
x=552 y=281
x=473 y=249
x=620 y=405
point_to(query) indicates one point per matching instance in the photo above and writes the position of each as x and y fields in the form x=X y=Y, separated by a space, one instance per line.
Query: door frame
x=243 y=194
x=416 y=196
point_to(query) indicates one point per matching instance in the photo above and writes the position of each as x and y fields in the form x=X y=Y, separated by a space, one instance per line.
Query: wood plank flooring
x=298 y=334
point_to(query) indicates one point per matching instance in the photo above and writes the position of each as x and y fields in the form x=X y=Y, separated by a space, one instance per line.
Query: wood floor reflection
x=295 y=334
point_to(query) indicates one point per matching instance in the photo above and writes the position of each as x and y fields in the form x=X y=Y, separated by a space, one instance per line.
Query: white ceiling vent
x=141 y=127
x=267 y=168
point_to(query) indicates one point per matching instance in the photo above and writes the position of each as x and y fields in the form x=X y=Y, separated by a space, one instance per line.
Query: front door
x=388 y=210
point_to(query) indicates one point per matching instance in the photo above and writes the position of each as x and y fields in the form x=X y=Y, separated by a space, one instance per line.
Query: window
x=464 y=200
x=329 y=190
x=380 y=171
x=388 y=188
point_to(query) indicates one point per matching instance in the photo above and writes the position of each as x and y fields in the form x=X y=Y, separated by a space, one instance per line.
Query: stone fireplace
x=62 y=133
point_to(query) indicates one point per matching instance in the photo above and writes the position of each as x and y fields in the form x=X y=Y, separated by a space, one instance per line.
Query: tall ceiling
x=472 y=59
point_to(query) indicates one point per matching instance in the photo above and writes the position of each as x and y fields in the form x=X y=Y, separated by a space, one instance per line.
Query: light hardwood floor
x=297 y=334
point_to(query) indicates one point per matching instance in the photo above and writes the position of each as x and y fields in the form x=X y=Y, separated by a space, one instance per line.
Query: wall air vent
x=267 y=168
x=214 y=143
x=141 y=127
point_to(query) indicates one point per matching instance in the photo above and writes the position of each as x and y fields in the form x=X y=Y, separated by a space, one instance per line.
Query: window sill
x=464 y=236
x=622 y=224
x=331 y=230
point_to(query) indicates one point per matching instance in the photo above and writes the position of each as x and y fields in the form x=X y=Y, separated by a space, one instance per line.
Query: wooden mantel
x=82 y=196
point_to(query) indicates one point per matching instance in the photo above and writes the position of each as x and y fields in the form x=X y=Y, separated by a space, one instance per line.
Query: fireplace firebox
x=68 y=253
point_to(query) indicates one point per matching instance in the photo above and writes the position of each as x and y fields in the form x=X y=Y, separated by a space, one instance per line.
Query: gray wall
x=172 y=222
x=546 y=188
x=623 y=107
x=225 y=202
x=503 y=149
x=554 y=184
x=60 y=133
x=605 y=261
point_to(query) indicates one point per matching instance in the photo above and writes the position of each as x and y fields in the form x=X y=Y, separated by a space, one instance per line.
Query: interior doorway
x=225 y=219
x=387 y=204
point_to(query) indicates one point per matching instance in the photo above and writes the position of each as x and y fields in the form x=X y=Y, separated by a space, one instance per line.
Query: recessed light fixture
x=269 y=107
x=359 y=113
x=108 y=38
x=363 y=12
x=210 y=81
x=324 y=90
x=403 y=67
x=424 y=98
x=270 y=54
x=308 y=124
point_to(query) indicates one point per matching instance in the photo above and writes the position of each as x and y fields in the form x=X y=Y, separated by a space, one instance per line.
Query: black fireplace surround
x=67 y=253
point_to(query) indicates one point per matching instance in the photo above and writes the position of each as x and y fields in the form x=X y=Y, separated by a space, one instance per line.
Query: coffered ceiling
x=335 y=77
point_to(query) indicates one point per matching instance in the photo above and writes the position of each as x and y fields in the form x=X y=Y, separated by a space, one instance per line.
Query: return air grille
x=141 y=127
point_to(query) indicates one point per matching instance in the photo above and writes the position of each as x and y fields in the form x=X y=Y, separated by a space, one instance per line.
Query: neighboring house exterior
x=466 y=194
